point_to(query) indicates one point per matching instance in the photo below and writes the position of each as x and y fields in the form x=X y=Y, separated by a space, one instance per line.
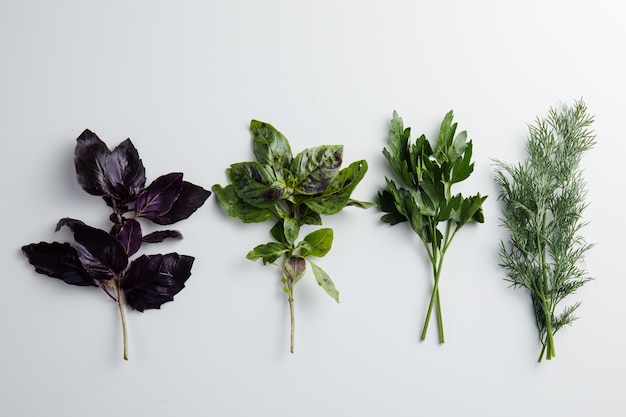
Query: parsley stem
x=435 y=299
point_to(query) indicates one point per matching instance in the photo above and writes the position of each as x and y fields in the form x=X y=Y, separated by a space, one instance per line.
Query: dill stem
x=548 y=343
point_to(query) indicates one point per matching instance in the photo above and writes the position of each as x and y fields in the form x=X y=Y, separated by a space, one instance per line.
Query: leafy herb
x=100 y=258
x=543 y=204
x=425 y=200
x=292 y=192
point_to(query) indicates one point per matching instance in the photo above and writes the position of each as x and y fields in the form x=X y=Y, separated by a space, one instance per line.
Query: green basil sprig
x=425 y=200
x=292 y=192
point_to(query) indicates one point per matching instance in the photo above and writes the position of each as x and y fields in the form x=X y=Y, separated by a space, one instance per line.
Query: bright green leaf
x=278 y=231
x=360 y=204
x=236 y=207
x=444 y=150
x=337 y=194
x=463 y=167
x=314 y=168
x=291 y=229
x=309 y=216
x=459 y=144
x=256 y=183
x=268 y=252
x=470 y=210
x=319 y=243
x=269 y=145
x=387 y=204
x=324 y=281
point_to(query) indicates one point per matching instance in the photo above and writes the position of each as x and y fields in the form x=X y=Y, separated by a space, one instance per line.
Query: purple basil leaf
x=160 y=236
x=158 y=198
x=130 y=236
x=190 y=199
x=90 y=156
x=154 y=279
x=58 y=260
x=101 y=254
x=124 y=173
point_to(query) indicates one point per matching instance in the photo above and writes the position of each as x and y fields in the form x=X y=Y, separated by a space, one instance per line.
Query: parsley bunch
x=425 y=198
x=292 y=191
x=543 y=204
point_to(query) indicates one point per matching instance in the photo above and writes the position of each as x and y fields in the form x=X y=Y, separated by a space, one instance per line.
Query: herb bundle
x=292 y=192
x=543 y=204
x=425 y=200
x=102 y=259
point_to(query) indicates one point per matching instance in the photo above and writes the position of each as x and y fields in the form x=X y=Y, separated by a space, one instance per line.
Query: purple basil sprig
x=102 y=259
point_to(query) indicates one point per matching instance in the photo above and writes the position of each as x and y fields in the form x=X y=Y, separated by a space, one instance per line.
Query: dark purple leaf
x=58 y=260
x=190 y=199
x=153 y=280
x=160 y=236
x=101 y=254
x=90 y=156
x=130 y=236
x=158 y=198
x=125 y=175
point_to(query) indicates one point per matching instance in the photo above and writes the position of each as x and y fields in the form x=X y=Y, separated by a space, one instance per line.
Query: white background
x=183 y=79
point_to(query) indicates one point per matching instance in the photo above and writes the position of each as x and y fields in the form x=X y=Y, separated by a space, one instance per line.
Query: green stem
x=548 y=343
x=292 y=316
x=437 y=262
x=434 y=298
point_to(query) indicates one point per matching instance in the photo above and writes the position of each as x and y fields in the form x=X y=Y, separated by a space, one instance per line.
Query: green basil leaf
x=236 y=207
x=291 y=228
x=278 y=232
x=319 y=243
x=309 y=216
x=314 y=168
x=268 y=252
x=256 y=183
x=324 y=281
x=360 y=204
x=337 y=194
x=269 y=145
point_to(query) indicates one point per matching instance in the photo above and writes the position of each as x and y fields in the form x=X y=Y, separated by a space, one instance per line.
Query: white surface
x=182 y=80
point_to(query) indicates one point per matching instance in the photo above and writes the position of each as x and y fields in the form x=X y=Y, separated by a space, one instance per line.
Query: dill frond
x=543 y=200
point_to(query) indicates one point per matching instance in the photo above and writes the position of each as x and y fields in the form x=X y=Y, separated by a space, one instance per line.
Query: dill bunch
x=544 y=199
